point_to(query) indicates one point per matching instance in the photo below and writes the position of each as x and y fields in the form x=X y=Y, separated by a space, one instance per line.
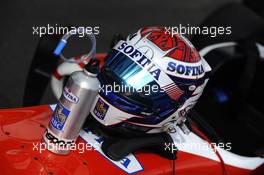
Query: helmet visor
x=135 y=84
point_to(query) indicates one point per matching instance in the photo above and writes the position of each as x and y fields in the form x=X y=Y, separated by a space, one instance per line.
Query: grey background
x=17 y=44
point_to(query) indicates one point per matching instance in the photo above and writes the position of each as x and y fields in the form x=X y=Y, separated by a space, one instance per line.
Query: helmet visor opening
x=136 y=84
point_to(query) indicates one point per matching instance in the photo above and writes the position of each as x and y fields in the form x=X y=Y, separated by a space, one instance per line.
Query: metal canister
x=72 y=109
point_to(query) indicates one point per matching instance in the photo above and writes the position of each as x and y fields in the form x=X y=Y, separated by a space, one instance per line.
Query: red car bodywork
x=20 y=128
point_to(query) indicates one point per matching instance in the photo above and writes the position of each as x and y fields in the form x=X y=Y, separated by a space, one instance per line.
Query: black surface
x=17 y=44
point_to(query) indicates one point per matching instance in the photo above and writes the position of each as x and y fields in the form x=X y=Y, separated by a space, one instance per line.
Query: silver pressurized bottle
x=72 y=109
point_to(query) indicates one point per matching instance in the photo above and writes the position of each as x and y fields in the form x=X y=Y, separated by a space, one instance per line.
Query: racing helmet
x=148 y=80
